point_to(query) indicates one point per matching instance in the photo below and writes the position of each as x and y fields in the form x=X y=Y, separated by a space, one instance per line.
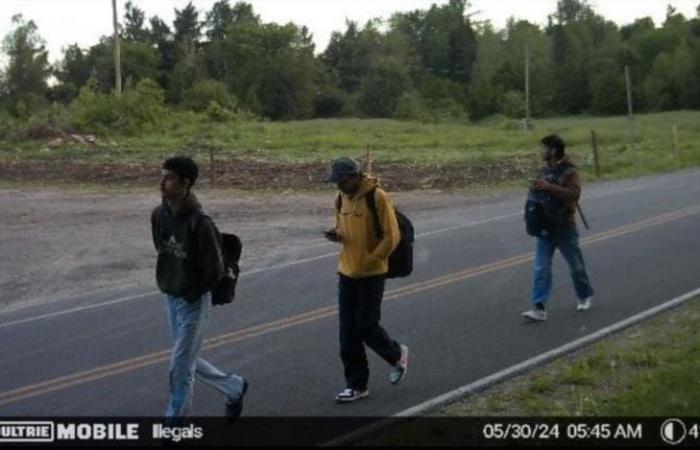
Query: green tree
x=385 y=83
x=187 y=30
x=286 y=86
x=608 y=90
x=138 y=61
x=269 y=67
x=672 y=83
x=330 y=99
x=222 y=16
x=134 y=20
x=484 y=95
x=351 y=54
x=443 y=36
x=571 y=82
x=72 y=72
x=25 y=79
x=609 y=95
x=161 y=35
x=519 y=36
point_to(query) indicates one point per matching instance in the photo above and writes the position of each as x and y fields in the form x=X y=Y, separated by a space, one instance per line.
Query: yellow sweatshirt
x=362 y=254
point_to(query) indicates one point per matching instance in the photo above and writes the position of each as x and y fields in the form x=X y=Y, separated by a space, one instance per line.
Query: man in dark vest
x=560 y=178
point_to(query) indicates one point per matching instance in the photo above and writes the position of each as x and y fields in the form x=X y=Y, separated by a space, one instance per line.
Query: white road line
x=456 y=394
x=72 y=310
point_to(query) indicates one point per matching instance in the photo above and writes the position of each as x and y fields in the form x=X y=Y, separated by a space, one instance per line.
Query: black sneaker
x=235 y=408
x=351 y=395
x=398 y=371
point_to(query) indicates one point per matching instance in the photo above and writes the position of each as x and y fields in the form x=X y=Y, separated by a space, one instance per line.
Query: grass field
x=445 y=144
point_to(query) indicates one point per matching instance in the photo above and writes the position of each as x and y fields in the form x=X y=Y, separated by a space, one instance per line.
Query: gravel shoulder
x=59 y=242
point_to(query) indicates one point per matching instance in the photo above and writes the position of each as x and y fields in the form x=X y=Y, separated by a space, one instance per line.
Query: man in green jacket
x=190 y=265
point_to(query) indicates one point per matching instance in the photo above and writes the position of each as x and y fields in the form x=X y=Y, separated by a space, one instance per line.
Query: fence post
x=211 y=167
x=675 y=144
x=596 y=158
x=368 y=160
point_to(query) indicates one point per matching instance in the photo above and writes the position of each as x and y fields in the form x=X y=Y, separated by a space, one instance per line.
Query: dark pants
x=360 y=303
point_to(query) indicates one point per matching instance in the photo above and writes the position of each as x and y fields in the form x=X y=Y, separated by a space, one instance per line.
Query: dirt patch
x=248 y=174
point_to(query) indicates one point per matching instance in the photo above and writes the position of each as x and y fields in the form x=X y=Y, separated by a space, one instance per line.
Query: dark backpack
x=231 y=249
x=401 y=259
x=544 y=212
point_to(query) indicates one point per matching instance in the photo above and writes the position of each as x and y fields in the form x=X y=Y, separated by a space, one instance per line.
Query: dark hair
x=555 y=142
x=184 y=167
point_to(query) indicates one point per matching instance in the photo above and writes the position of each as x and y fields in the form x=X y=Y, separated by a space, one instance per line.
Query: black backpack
x=544 y=212
x=231 y=249
x=401 y=259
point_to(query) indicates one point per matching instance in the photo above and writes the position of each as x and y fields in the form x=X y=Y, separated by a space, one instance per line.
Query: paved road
x=459 y=313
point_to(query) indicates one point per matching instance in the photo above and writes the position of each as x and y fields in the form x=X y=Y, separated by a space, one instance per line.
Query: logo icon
x=26 y=432
x=673 y=431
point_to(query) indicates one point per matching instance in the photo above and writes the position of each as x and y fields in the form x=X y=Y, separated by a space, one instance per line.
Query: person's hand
x=332 y=235
x=541 y=185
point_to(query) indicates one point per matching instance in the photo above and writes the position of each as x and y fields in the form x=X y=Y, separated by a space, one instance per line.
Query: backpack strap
x=563 y=170
x=371 y=200
x=196 y=217
x=372 y=206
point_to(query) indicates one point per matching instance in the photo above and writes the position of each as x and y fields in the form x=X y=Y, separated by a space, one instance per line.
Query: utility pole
x=527 y=86
x=117 y=57
x=630 y=117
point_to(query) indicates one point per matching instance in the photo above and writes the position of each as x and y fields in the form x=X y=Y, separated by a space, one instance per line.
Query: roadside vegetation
x=649 y=370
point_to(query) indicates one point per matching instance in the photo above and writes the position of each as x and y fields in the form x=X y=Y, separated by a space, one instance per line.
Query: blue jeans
x=187 y=324
x=566 y=240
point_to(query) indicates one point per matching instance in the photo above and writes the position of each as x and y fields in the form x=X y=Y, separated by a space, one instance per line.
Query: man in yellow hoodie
x=364 y=263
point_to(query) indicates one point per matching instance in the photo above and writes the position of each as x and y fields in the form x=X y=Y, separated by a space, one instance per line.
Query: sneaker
x=584 y=305
x=234 y=408
x=351 y=395
x=535 y=315
x=400 y=368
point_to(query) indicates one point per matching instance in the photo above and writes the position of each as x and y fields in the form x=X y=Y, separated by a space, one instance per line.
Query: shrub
x=513 y=104
x=201 y=95
x=218 y=113
x=448 y=110
x=136 y=109
x=409 y=107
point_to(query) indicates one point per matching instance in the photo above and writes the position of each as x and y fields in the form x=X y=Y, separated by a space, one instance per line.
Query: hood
x=191 y=203
x=367 y=184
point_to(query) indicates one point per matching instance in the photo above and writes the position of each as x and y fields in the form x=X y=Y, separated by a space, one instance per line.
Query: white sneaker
x=535 y=315
x=584 y=305
x=351 y=395
x=399 y=370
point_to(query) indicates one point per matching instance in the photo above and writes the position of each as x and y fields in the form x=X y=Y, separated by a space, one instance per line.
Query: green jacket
x=190 y=262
